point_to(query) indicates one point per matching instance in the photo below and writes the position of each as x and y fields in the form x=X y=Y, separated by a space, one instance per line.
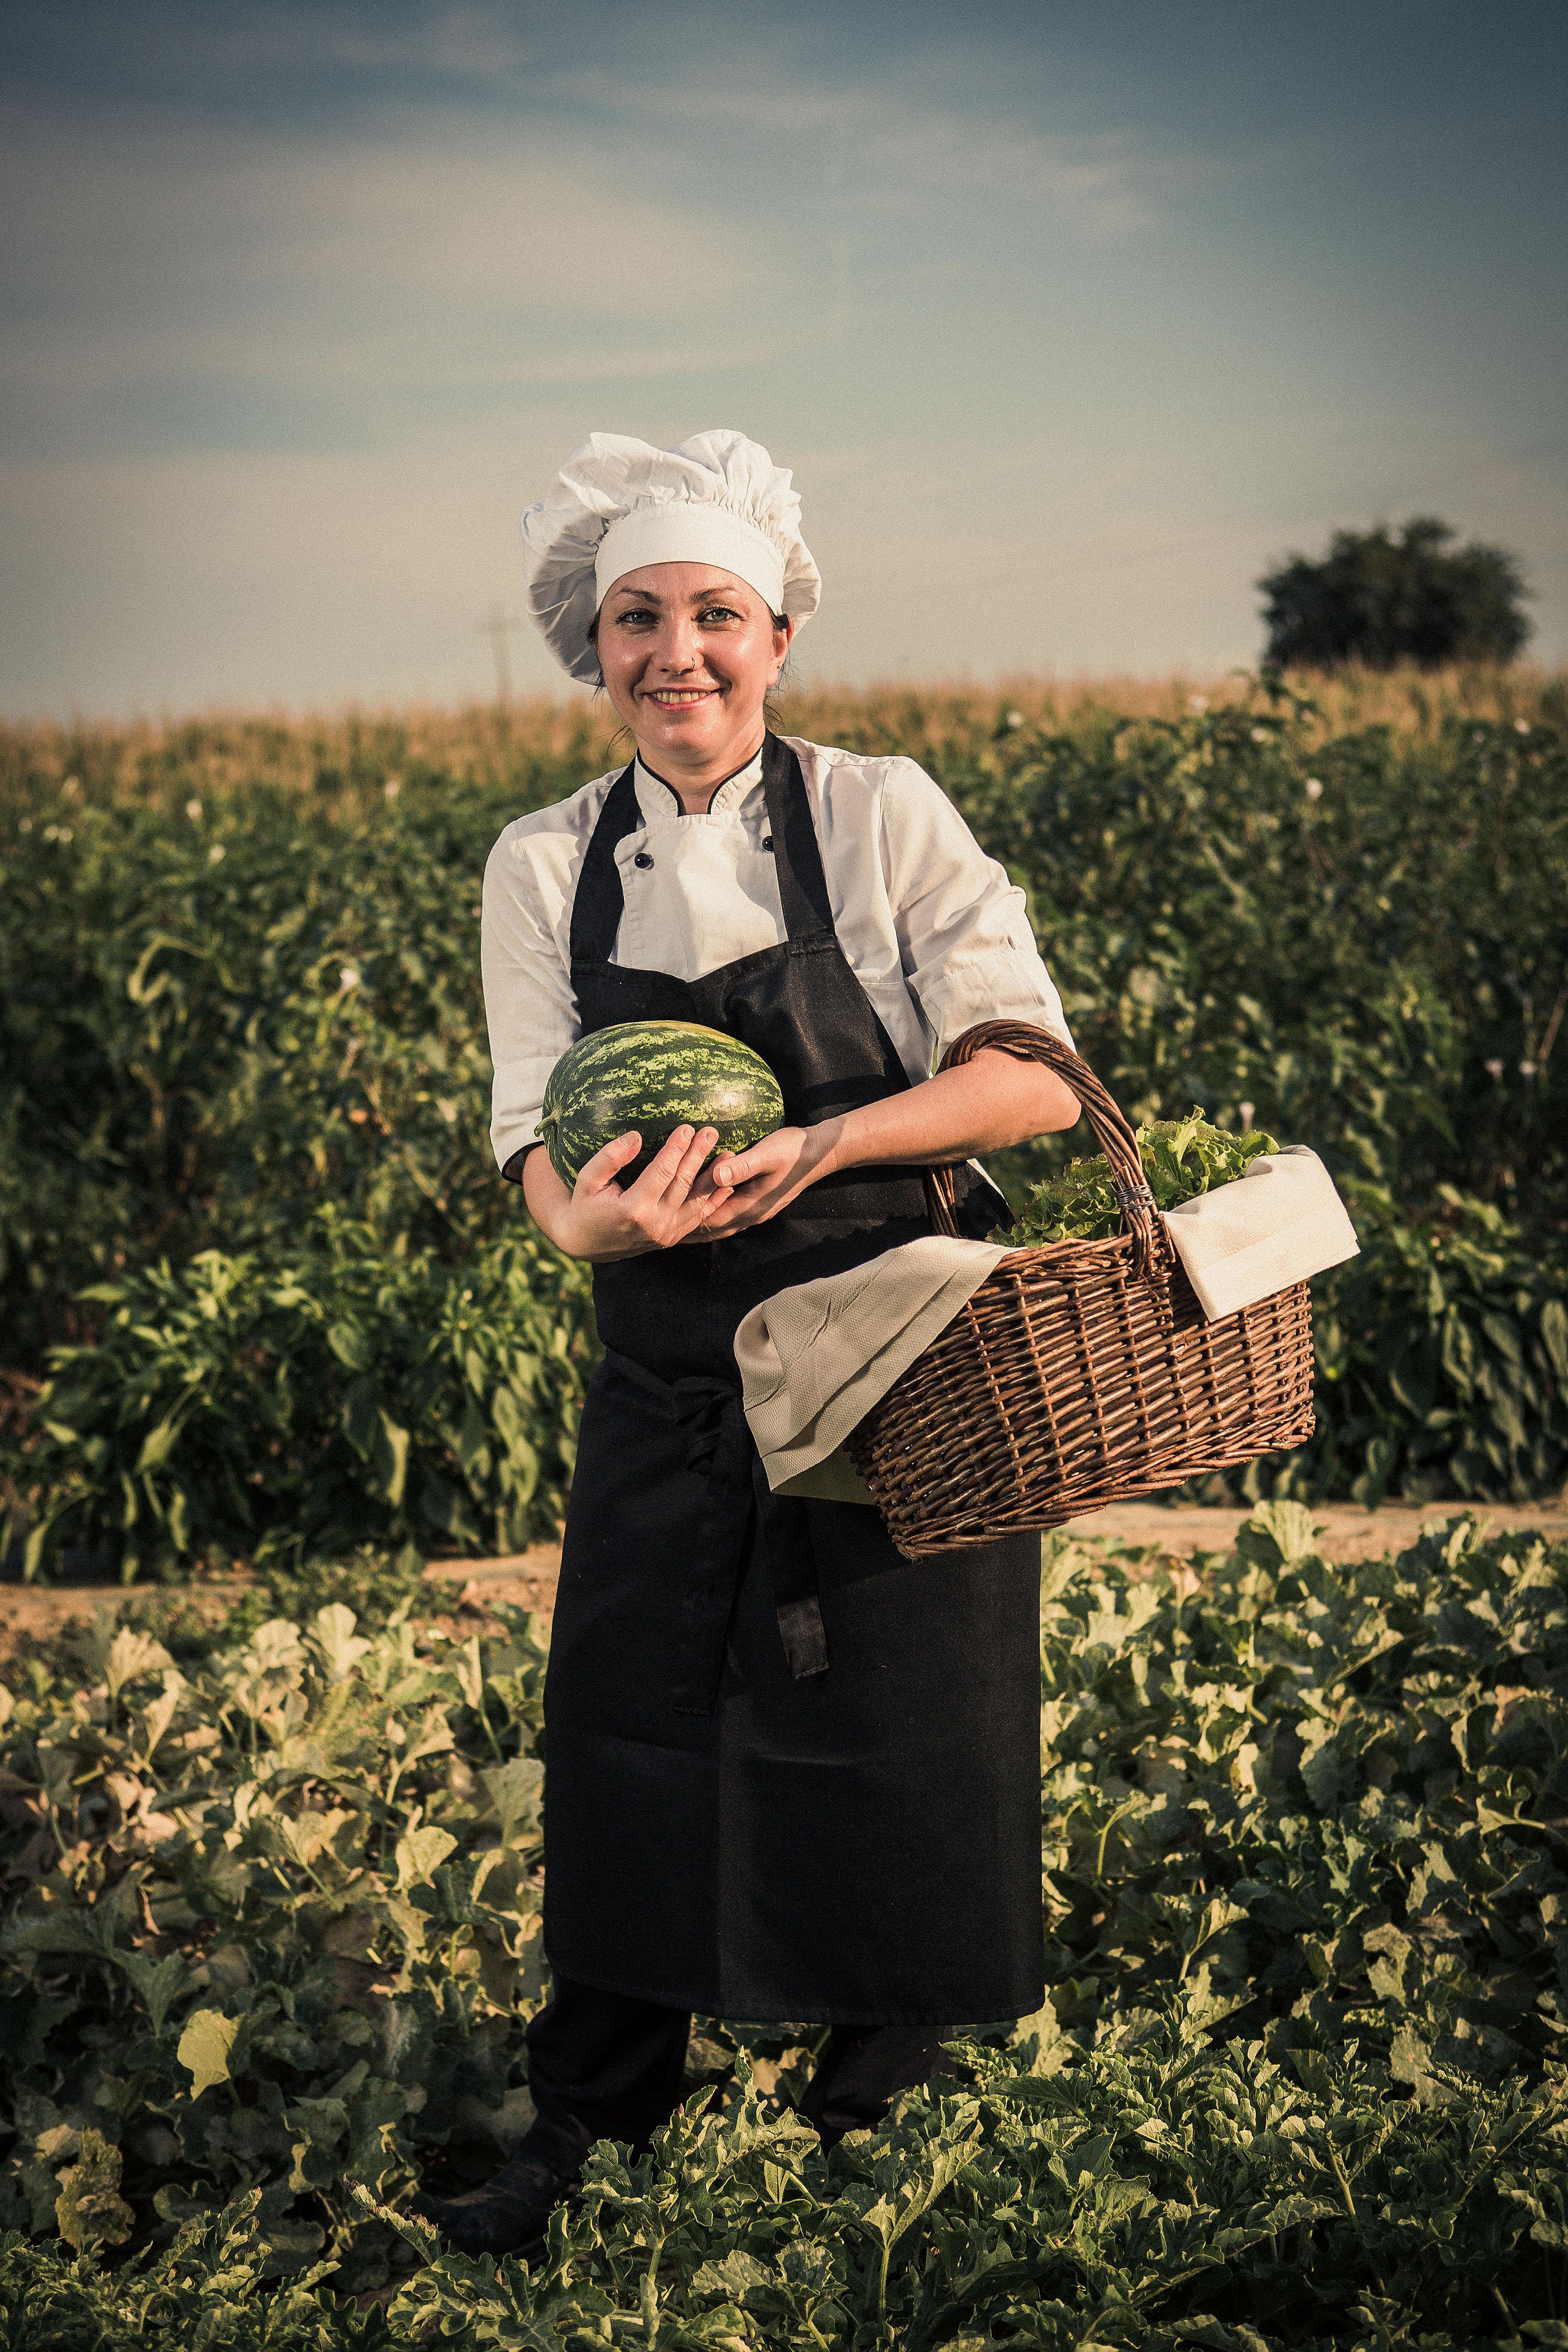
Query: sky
x=1071 y=319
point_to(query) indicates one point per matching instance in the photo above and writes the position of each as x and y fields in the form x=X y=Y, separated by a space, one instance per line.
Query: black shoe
x=507 y=2214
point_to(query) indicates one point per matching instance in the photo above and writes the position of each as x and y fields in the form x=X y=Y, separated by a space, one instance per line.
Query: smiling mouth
x=671 y=697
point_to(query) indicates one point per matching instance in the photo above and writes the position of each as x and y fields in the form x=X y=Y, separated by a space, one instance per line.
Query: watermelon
x=654 y=1075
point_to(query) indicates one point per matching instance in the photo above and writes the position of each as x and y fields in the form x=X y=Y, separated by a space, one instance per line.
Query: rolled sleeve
x=967 y=949
x=529 y=1008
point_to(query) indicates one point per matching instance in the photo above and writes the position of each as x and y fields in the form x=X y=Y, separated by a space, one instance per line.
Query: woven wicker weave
x=1080 y=1373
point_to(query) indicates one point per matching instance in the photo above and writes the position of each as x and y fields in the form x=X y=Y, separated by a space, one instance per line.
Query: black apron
x=789 y=1775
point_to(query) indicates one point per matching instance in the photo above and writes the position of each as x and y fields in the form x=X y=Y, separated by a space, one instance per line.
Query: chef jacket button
x=642 y=859
x=767 y=841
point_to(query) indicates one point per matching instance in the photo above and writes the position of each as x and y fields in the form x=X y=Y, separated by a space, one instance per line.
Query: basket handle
x=1111 y=1132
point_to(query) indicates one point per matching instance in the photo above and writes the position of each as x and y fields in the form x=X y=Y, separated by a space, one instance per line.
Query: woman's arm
x=984 y=1105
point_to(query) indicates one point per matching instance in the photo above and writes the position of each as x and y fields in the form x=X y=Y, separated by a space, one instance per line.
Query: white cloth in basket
x=1280 y=1222
x=816 y=1358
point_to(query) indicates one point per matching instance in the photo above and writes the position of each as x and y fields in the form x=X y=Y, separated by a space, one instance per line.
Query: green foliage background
x=274 y=1935
x=250 y=1225
x=1381 y=600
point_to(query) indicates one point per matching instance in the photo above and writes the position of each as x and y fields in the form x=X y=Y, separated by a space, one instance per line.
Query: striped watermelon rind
x=654 y=1075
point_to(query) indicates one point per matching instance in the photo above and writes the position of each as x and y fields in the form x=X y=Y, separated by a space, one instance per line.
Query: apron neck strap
x=600 y=901
x=797 y=855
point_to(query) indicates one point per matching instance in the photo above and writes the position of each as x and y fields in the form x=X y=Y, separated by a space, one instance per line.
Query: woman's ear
x=784 y=627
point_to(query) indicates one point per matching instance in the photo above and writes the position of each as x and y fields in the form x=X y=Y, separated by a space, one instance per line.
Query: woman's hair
x=773 y=718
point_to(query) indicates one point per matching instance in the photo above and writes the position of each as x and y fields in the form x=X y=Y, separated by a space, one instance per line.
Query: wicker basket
x=1080 y=1373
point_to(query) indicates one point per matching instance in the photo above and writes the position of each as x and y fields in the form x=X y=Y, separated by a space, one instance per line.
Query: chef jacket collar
x=661 y=807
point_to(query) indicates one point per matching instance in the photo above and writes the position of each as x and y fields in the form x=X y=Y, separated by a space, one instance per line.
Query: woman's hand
x=597 y=1220
x=752 y=1185
x=984 y=1105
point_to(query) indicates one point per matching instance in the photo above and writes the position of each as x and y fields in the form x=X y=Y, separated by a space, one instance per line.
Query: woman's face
x=689 y=652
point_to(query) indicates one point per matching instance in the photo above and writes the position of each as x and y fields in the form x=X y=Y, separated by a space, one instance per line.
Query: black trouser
x=603 y=2066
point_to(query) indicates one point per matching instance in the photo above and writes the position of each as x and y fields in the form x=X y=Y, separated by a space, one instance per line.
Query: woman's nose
x=678 y=645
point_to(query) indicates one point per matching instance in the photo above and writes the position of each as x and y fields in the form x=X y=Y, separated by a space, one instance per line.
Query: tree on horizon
x=1381 y=600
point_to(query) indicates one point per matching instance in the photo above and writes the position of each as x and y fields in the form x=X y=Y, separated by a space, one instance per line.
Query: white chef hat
x=619 y=503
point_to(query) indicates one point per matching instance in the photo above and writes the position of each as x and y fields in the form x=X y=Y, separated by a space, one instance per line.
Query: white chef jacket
x=932 y=929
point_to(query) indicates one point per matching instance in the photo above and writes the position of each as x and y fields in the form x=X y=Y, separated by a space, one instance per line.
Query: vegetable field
x=274 y=1933
x=263 y=1295
x=271 y=1925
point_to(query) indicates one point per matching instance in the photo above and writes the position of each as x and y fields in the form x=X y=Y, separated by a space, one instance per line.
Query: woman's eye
x=635 y=613
x=719 y=612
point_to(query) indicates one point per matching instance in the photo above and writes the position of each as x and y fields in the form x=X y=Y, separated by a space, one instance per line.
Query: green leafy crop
x=1181 y=1158
x=317 y=1394
x=251 y=1224
x=246 y=1199
x=274 y=1920
x=272 y=1934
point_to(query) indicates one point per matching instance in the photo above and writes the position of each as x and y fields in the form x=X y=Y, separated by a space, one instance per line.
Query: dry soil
x=528 y=1579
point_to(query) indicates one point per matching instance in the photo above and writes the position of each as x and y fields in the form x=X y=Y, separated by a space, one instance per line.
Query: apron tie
x=720 y=1447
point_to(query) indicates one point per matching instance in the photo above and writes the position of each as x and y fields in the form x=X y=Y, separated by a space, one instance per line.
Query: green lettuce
x=1181 y=1158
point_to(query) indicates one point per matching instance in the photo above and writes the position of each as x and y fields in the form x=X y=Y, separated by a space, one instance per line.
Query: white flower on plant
x=1314 y=788
x=1495 y=1069
x=1522 y=726
x=194 y=811
x=1261 y=734
x=1015 y=719
x=1247 y=1111
x=391 y=787
x=1197 y=704
x=347 y=978
x=215 y=854
x=1527 y=1069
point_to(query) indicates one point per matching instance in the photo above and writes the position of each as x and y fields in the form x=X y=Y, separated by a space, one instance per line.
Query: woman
x=791 y=1775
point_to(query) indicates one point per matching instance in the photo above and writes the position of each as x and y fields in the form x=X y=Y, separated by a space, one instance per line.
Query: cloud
x=185 y=579
x=488 y=219
x=891 y=139
x=303 y=302
x=235 y=577
x=260 y=45
x=207 y=285
x=433 y=202
x=915 y=104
